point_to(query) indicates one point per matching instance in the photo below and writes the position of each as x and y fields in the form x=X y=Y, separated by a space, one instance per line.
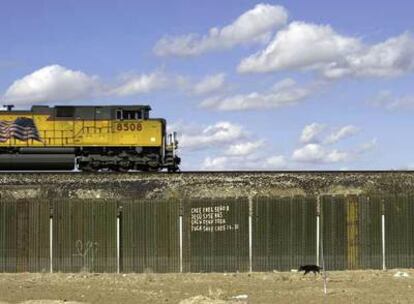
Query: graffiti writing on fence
x=88 y=253
x=211 y=219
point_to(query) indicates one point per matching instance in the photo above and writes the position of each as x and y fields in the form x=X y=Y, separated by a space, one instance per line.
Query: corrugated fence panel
x=216 y=235
x=150 y=236
x=370 y=237
x=399 y=227
x=84 y=235
x=334 y=230
x=9 y=236
x=351 y=228
x=24 y=236
x=2 y=236
x=284 y=233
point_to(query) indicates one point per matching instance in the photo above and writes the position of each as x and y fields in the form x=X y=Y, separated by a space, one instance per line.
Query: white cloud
x=244 y=148
x=305 y=46
x=311 y=132
x=244 y=163
x=277 y=161
x=210 y=84
x=316 y=153
x=315 y=150
x=255 y=25
x=300 y=45
x=392 y=57
x=215 y=163
x=228 y=146
x=341 y=133
x=52 y=83
x=388 y=101
x=366 y=147
x=138 y=84
x=219 y=134
x=284 y=93
x=55 y=83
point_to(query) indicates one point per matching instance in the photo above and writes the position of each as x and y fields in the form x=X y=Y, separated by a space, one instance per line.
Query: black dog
x=308 y=268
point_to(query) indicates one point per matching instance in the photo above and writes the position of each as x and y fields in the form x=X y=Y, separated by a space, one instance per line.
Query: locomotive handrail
x=64 y=138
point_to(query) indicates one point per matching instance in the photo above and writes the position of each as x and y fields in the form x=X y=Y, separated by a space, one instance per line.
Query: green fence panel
x=351 y=228
x=334 y=229
x=284 y=233
x=369 y=252
x=8 y=238
x=24 y=236
x=216 y=235
x=150 y=236
x=84 y=236
x=399 y=230
x=2 y=236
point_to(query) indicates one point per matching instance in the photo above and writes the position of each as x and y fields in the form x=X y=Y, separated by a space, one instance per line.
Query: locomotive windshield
x=131 y=114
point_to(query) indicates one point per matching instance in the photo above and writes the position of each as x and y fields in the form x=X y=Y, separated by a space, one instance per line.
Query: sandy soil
x=343 y=287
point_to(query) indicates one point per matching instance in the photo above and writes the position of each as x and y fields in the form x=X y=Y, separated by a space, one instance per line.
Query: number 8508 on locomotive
x=87 y=138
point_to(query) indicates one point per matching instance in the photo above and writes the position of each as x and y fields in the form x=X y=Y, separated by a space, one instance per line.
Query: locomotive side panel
x=79 y=133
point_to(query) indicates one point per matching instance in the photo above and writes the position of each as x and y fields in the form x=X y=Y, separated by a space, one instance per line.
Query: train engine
x=87 y=138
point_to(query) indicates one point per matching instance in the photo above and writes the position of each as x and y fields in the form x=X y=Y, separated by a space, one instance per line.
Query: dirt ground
x=279 y=287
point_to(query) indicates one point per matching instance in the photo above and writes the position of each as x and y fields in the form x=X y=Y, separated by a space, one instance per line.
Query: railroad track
x=215 y=172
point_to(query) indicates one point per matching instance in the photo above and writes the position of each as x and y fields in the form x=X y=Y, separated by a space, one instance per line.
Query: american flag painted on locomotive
x=22 y=128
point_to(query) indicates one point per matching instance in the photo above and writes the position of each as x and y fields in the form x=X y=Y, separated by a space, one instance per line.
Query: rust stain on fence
x=352 y=222
x=351 y=227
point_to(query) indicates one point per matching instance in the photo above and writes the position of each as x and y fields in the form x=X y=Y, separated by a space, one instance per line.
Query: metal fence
x=216 y=235
x=207 y=235
x=84 y=235
x=399 y=227
x=351 y=227
x=284 y=233
x=24 y=236
x=149 y=236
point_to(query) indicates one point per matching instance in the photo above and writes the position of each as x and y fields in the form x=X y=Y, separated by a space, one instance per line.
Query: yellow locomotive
x=88 y=138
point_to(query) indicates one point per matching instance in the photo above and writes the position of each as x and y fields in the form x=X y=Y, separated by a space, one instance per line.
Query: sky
x=247 y=85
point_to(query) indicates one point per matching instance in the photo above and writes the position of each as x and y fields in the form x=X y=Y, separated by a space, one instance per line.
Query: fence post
x=318 y=214
x=325 y=280
x=383 y=234
x=180 y=228
x=250 y=234
x=118 y=240
x=51 y=240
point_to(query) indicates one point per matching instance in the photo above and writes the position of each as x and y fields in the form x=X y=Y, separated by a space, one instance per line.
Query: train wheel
x=151 y=169
x=121 y=169
x=88 y=168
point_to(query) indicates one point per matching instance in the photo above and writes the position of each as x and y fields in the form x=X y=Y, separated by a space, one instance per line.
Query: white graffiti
x=211 y=219
x=87 y=252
